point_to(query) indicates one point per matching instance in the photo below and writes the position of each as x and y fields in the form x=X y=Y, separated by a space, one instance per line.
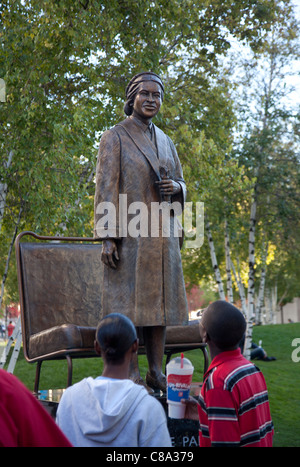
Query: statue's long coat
x=147 y=285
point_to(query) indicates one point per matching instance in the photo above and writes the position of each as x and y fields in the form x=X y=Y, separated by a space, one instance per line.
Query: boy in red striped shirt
x=233 y=406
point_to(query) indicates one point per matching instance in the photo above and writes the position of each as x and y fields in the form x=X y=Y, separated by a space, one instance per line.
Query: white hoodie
x=112 y=412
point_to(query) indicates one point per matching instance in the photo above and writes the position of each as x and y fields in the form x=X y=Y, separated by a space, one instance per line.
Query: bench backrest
x=59 y=283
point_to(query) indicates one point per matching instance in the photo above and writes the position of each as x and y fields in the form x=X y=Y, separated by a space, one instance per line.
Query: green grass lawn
x=283 y=381
x=282 y=377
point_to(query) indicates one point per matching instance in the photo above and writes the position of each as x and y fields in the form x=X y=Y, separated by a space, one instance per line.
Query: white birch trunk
x=250 y=310
x=228 y=265
x=272 y=304
x=274 y=301
x=261 y=292
x=215 y=262
x=241 y=289
x=267 y=306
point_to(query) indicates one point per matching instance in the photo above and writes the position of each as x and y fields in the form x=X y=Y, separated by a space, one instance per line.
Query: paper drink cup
x=179 y=378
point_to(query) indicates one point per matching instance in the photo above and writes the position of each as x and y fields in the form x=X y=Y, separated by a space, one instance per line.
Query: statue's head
x=142 y=83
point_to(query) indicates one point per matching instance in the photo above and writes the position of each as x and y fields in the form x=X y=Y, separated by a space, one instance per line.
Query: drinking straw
x=181 y=362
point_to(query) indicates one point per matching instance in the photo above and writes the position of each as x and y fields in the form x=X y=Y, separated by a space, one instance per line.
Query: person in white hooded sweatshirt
x=112 y=410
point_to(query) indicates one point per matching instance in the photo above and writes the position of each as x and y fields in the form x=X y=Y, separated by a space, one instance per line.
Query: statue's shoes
x=156 y=382
x=141 y=382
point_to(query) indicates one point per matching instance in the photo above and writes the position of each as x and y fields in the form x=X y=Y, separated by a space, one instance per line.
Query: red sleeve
x=23 y=420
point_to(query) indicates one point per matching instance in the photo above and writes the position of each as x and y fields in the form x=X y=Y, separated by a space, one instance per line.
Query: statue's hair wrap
x=133 y=86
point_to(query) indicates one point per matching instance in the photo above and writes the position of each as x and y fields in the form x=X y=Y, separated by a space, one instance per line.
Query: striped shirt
x=233 y=404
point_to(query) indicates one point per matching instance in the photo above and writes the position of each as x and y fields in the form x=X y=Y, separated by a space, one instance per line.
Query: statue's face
x=148 y=100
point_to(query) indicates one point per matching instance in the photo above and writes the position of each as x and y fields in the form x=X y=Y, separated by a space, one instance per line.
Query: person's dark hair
x=115 y=334
x=224 y=323
x=133 y=87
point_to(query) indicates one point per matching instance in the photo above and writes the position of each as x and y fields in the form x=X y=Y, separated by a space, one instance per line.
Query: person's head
x=222 y=325
x=144 y=95
x=115 y=336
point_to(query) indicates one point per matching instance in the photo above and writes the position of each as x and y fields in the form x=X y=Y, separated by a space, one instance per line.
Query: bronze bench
x=60 y=300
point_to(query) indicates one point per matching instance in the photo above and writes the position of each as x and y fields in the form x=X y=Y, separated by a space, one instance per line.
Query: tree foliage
x=66 y=65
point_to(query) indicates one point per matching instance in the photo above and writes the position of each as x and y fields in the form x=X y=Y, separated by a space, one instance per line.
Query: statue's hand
x=168 y=186
x=109 y=253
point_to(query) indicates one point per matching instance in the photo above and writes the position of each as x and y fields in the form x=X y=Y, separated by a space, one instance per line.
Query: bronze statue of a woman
x=142 y=274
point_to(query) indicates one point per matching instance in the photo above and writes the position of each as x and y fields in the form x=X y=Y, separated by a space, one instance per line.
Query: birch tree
x=251 y=280
x=261 y=292
x=228 y=265
x=214 y=262
x=241 y=288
